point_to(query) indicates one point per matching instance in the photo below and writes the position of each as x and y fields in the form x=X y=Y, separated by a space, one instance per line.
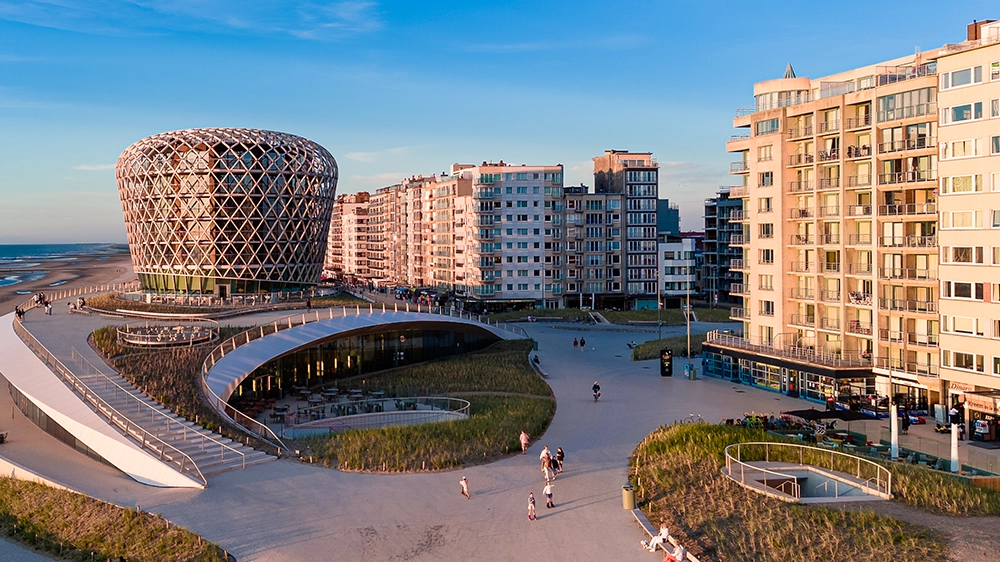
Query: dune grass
x=676 y=469
x=72 y=526
x=506 y=396
x=678 y=344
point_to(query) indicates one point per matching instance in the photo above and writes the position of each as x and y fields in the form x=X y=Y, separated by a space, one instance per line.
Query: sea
x=21 y=263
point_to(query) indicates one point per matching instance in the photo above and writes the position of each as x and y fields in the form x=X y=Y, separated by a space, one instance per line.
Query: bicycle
x=693 y=418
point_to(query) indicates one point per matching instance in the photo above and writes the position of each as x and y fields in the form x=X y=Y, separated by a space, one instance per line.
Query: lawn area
x=676 y=470
x=678 y=344
x=72 y=526
x=506 y=397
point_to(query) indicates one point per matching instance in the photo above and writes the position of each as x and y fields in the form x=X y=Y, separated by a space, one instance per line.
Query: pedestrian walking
x=583 y=344
x=531 y=507
x=465 y=487
x=545 y=454
x=554 y=466
x=547 y=490
x=560 y=455
x=525 y=439
x=309 y=305
x=547 y=473
x=48 y=308
x=576 y=344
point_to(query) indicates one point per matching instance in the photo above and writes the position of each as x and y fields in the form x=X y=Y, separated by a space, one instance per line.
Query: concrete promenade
x=290 y=511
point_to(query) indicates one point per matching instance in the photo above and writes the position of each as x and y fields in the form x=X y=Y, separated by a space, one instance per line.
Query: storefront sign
x=955 y=387
x=981 y=403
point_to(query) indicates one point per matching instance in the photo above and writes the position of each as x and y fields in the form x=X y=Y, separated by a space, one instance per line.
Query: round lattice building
x=226 y=210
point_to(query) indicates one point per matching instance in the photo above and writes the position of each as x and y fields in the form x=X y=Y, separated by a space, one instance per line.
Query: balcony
x=860 y=328
x=859 y=269
x=800 y=186
x=829 y=324
x=858 y=122
x=801 y=213
x=863 y=180
x=802 y=294
x=922 y=340
x=921 y=242
x=829 y=155
x=907 y=273
x=829 y=211
x=906 y=144
x=737 y=215
x=910 y=367
x=828 y=126
x=912 y=176
x=803 y=267
x=829 y=296
x=855 y=151
x=738 y=240
x=800 y=159
x=802 y=240
x=803 y=320
x=926 y=307
x=798 y=132
x=908 y=209
x=830 y=267
x=738 y=313
x=483 y=194
x=736 y=264
x=795 y=353
x=859 y=298
x=829 y=183
x=739 y=289
x=890 y=336
x=859 y=239
x=859 y=210
x=738 y=167
x=917 y=110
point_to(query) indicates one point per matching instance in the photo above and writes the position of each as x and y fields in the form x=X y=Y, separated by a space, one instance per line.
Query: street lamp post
x=893 y=419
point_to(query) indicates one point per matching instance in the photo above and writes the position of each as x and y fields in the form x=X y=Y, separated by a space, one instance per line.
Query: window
x=961 y=255
x=766 y=282
x=522 y=286
x=994 y=146
x=766 y=230
x=994 y=108
x=767 y=308
x=765 y=153
x=996 y=221
x=522 y=204
x=962 y=290
x=765 y=204
x=965 y=112
x=766 y=256
x=963 y=77
x=765 y=179
x=962 y=148
x=766 y=127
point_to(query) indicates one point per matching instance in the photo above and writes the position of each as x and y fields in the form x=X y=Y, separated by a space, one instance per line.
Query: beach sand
x=85 y=271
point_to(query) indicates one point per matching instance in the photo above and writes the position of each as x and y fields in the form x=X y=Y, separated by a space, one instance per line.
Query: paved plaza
x=287 y=510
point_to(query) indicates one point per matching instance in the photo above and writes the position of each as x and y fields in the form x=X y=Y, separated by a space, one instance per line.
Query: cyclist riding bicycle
x=597 y=391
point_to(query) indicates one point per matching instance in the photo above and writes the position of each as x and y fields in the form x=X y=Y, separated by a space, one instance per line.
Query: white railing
x=78 y=292
x=143 y=409
x=872 y=477
x=163 y=451
x=369 y=413
x=261 y=430
x=168 y=333
x=795 y=352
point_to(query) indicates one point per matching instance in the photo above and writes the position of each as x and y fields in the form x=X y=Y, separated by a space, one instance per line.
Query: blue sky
x=399 y=88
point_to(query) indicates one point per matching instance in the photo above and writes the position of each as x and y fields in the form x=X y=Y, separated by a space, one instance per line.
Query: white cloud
x=377 y=155
x=94 y=167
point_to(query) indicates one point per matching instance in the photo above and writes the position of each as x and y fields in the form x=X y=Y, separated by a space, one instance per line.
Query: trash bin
x=628 y=496
x=690 y=371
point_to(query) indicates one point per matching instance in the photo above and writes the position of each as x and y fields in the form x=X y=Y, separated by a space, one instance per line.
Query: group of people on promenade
x=662 y=540
x=38 y=299
x=580 y=344
x=552 y=464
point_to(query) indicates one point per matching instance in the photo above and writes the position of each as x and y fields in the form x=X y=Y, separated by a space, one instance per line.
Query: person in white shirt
x=659 y=539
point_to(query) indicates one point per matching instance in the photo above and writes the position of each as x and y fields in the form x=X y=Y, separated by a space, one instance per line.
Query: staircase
x=211 y=453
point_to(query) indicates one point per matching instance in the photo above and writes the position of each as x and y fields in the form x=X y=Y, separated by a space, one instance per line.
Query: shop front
x=983 y=410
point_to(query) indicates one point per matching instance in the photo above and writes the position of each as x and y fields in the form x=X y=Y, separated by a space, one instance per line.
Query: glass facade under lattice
x=328 y=361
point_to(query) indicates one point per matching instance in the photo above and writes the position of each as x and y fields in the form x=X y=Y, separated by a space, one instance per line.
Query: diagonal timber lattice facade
x=226 y=210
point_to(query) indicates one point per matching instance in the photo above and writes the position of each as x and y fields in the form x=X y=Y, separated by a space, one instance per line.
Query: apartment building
x=592 y=259
x=677 y=270
x=969 y=234
x=723 y=264
x=838 y=179
x=347 y=244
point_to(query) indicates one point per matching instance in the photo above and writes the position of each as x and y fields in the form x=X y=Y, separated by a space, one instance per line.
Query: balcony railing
x=906 y=144
x=739 y=313
x=739 y=167
x=929 y=307
x=739 y=289
x=859 y=210
x=859 y=239
x=775 y=348
x=829 y=183
x=910 y=367
x=921 y=241
x=829 y=239
x=738 y=240
x=922 y=340
x=829 y=296
x=907 y=112
x=859 y=298
x=803 y=266
x=828 y=155
x=831 y=267
x=829 y=211
x=862 y=151
x=736 y=215
x=862 y=180
x=804 y=131
x=802 y=240
x=736 y=264
x=907 y=273
x=829 y=126
x=859 y=268
x=908 y=209
x=801 y=213
x=802 y=293
x=802 y=320
x=858 y=122
x=800 y=159
x=800 y=186
x=890 y=335
x=829 y=323
x=738 y=191
x=859 y=327
x=907 y=177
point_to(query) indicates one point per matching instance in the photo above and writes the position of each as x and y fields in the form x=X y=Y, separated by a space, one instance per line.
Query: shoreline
x=85 y=270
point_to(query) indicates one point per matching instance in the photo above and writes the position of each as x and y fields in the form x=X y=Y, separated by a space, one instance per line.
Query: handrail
x=796 y=488
x=255 y=332
x=380 y=418
x=882 y=486
x=163 y=451
x=106 y=288
x=93 y=371
x=142 y=334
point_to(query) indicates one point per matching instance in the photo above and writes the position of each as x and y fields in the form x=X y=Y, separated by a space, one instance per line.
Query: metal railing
x=800 y=186
x=907 y=273
x=908 y=209
x=369 y=413
x=907 y=177
x=739 y=167
x=859 y=210
x=801 y=213
x=802 y=240
x=859 y=268
x=159 y=449
x=828 y=183
x=79 y=292
x=144 y=409
x=860 y=121
x=829 y=211
x=859 y=239
x=168 y=333
x=871 y=476
x=859 y=327
x=906 y=144
x=739 y=289
x=855 y=151
x=860 y=180
x=829 y=126
x=929 y=307
x=801 y=159
x=802 y=293
x=261 y=430
x=739 y=313
x=909 y=367
x=859 y=298
x=829 y=323
x=829 y=296
x=803 y=131
x=795 y=352
x=802 y=320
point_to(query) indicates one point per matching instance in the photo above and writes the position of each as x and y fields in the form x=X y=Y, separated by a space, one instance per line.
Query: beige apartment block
x=838 y=177
x=969 y=237
x=347 y=244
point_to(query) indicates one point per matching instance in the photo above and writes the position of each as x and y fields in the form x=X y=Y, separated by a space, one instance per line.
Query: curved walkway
x=290 y=511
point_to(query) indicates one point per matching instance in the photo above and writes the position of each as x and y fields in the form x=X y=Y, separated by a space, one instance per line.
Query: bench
x=640 y=518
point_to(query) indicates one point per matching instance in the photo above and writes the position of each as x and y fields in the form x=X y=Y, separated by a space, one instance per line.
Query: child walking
x=531 y=507
x=465 y=487
x=547 y=490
